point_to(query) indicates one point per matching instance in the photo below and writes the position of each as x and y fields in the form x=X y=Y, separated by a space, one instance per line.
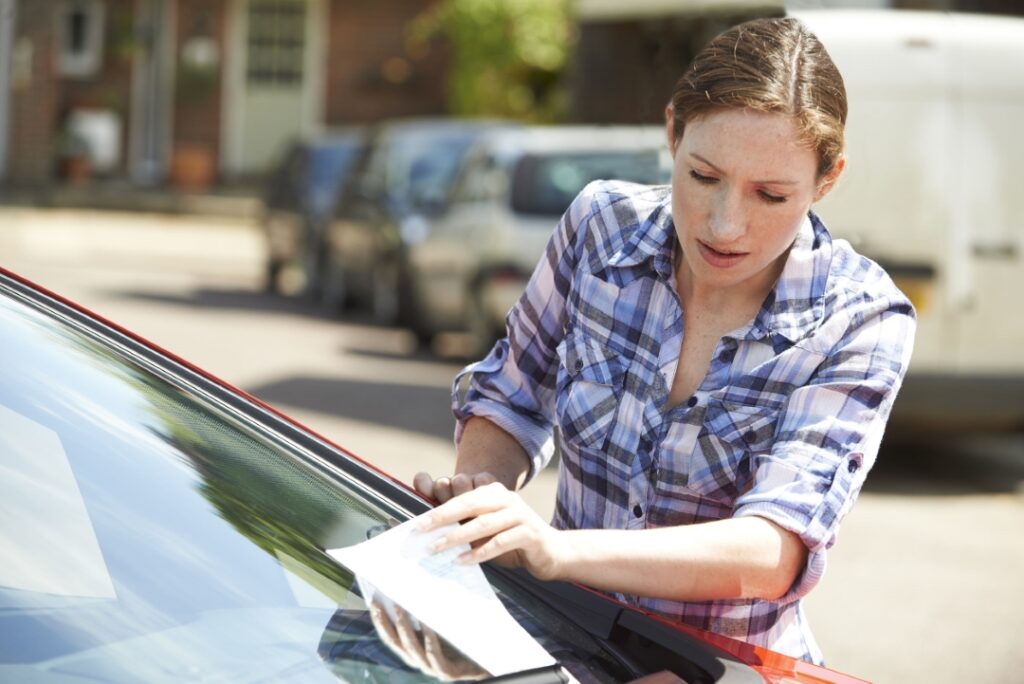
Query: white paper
x=456 y=601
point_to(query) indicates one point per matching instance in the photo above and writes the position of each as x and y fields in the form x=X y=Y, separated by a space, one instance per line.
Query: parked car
x=158 y=525
x=401 y=184
x=299 y=197
x=510 y=193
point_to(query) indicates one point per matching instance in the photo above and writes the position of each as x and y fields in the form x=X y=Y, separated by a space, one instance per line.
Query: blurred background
x=333 y=203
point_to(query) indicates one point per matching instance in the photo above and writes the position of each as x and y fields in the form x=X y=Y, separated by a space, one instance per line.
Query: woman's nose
x=728 y=218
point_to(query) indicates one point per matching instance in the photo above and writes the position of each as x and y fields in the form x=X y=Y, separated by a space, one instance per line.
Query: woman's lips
x=719 y=259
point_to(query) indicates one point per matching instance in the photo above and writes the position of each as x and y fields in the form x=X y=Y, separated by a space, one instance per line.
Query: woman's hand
x=444 y=488
x=420 y=648
x=499 y=525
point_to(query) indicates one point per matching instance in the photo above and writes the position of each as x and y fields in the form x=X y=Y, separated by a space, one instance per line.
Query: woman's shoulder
x=853 y=273
x=611 y=191
x=614 y=209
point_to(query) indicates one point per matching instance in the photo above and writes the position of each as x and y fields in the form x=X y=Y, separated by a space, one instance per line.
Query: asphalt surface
x=925 y=584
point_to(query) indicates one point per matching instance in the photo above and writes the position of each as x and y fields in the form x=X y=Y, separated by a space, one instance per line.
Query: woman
x=720 y=369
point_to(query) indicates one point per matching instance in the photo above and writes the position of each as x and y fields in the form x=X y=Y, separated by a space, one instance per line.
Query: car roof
x=574 y=138
x=427 y=126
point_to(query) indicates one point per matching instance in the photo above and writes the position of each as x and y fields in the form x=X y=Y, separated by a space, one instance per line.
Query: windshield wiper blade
x=644 y=640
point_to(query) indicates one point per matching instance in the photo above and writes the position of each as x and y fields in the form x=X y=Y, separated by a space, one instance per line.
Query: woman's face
x=742 y=183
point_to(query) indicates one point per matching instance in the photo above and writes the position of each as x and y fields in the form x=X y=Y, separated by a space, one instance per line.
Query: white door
x=275 y=94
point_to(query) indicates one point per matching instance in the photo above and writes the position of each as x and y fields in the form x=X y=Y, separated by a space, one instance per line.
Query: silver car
x=511 y=191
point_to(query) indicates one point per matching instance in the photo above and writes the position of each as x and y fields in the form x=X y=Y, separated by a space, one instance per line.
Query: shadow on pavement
x=452 y=348
x=965 y=465
x=407 y=407
x=235 y=299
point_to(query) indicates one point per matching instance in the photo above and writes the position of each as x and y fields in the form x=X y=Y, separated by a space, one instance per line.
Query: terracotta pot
x=192 y=167
x=76 y=170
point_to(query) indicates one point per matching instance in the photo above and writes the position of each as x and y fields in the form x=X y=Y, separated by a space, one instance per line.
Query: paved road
x=926 y=583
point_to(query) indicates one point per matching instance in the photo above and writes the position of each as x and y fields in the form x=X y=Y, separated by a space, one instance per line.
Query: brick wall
x=624 y=72
x=41 y=99
x=33 y=112
x=110 y=87
x=372 y=73
x=197 y=108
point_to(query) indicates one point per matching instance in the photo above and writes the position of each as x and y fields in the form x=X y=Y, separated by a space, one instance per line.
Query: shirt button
x=692 y=401
x=637 y=511
x=749 y=436
x=579 y=365
x=852 y=466
x=727 y=356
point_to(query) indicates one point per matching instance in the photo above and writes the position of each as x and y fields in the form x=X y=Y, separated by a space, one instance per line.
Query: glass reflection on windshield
x=183 y=541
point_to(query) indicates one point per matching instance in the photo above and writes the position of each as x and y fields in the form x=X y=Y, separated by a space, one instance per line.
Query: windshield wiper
x=645 y=641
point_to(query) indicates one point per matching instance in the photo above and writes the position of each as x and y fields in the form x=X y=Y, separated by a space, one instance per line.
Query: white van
x=934 y=191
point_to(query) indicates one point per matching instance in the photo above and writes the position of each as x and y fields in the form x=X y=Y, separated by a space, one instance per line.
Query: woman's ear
x=829 y=180
x=670 y=128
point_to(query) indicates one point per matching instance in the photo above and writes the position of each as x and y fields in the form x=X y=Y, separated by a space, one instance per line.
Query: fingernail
x=438 y=544
x=465 y=559
x=424 y=523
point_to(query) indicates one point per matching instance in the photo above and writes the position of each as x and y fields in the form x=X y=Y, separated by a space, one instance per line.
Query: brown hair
x=768 y=65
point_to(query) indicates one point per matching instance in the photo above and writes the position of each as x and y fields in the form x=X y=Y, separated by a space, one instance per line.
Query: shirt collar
x=795 y=305
x=653 y=239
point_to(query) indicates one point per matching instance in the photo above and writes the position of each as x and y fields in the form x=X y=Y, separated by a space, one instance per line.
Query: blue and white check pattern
x=785 y=425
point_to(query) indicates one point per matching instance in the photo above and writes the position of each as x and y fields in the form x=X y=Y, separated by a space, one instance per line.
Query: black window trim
x=331 y=460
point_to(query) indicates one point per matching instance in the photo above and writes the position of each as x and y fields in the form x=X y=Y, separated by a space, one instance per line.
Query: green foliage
x=507 y=56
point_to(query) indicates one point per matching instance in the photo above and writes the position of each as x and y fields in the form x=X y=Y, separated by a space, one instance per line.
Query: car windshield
x=545 y=184
x=423 y=165
x=157 y=528
x=329 y=164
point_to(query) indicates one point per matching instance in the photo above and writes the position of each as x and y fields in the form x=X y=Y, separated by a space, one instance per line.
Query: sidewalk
x=120 y=195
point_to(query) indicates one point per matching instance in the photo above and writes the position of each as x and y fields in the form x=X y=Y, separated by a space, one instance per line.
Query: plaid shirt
x=785 y=425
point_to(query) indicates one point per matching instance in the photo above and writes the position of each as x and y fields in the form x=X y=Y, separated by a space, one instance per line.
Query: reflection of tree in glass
x=279 y=505
x=274 y=502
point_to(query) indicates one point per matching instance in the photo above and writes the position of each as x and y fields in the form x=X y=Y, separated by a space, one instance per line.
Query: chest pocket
x=720 y=464
x=590 y=381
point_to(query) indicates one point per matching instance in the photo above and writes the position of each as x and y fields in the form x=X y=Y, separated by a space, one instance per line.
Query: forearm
x=747 y=557
x=486 y=448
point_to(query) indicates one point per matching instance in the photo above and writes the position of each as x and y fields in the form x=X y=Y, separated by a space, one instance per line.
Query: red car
x=160 y=525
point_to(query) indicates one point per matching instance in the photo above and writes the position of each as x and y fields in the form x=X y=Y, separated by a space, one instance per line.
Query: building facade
x=196 y=91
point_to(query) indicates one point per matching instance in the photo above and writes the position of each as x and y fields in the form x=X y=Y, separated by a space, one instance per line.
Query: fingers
x=389 y=634
x=448 y=668
x=419 y=646
x=473 y=503
x=482 y=527
x=410 y=641
x=446 y=488
x=424 y=484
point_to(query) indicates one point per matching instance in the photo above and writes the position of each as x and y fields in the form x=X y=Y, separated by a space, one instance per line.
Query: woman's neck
x=745 y=296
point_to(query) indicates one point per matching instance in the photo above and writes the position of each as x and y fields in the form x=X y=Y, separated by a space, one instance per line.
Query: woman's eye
x=770 y=198
x=701 y=178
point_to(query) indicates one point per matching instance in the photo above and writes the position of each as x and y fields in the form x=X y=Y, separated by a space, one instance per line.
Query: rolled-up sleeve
x=830 y=429
x=514 y=386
